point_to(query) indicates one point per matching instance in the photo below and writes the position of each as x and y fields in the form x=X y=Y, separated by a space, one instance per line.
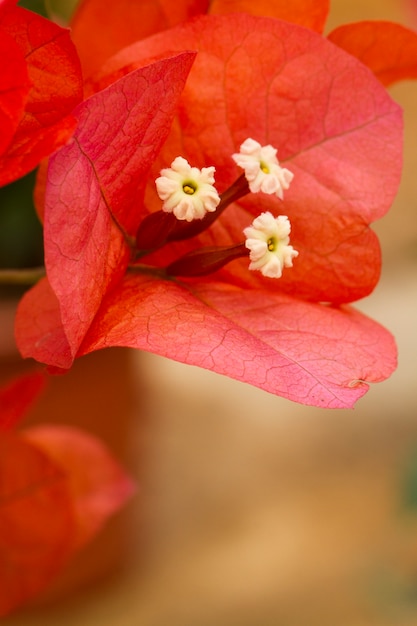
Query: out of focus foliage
x=20 y=230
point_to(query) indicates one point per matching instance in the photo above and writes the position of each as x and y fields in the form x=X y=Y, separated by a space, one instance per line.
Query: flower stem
x=206 y=260
x=160 y=228
x=25 y=276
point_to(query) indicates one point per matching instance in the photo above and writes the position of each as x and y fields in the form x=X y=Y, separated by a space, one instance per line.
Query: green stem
x=148 y=270
x=25 y=276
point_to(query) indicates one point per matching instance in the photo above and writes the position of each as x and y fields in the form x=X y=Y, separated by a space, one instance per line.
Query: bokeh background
x=251 y=510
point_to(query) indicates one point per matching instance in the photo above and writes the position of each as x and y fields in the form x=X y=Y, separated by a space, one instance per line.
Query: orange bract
x=309 y=13
x=388 y=49
x=98 y=33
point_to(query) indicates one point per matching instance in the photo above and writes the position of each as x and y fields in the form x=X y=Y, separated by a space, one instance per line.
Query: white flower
x=187 y=191
x=262 y=170
x=267 y=240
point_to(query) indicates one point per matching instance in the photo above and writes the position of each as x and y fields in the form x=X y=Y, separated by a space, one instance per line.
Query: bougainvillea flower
x=335 y=128
x=40 y=83
x=58 y=485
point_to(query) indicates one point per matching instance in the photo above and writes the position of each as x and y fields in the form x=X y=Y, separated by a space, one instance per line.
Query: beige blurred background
x=254 y=511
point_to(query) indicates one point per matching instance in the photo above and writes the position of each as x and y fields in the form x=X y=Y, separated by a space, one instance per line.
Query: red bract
x=57 y=487
x=40 y=83
x=97 y=484
x=336 y=129
x=17 y=397
x=36 y=521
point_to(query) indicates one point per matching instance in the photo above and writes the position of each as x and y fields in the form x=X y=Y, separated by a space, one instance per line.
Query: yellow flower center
x=189 y=188
x=271 y=243
x=265 y=169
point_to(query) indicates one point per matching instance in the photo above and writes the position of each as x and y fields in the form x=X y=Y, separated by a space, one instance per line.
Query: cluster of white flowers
x=189 y=194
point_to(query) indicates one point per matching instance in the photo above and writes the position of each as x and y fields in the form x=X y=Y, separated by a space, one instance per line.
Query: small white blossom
x=187 y=191
x=267 y=240
x=262 y=169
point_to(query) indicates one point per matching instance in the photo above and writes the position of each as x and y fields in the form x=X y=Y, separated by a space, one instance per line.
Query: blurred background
x=253 y=511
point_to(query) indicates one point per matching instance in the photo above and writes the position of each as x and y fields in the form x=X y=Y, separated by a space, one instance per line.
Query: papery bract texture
x=388 y=49
x=308 y=353
x=95 y=187
x=40 y=76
